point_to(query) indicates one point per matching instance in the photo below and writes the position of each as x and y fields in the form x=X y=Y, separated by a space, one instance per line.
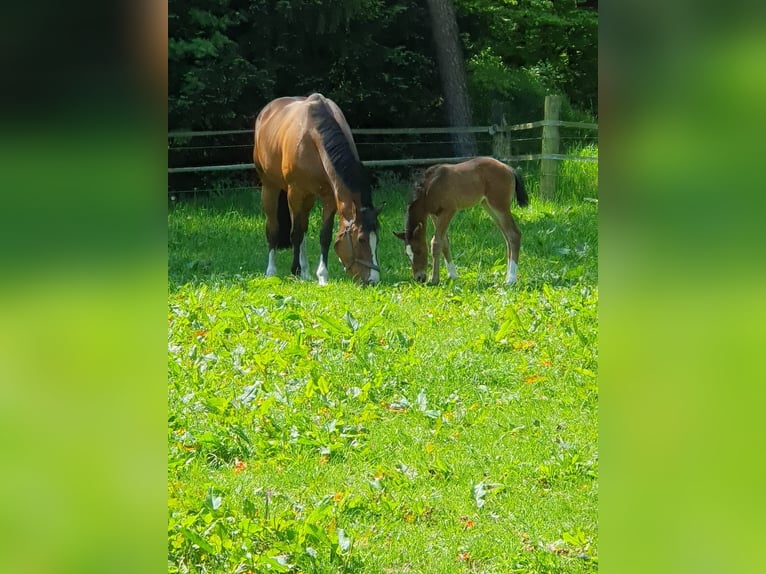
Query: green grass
x=396 y=428
x=578 y=177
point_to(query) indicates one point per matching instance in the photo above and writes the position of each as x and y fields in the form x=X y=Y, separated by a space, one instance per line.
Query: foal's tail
x=283 y=221
x=521 y=192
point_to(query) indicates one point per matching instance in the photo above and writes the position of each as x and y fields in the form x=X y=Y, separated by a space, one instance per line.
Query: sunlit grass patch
x=400 y=428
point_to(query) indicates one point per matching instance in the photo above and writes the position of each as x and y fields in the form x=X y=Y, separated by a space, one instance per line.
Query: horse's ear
x=400 y=235
x=417 y=227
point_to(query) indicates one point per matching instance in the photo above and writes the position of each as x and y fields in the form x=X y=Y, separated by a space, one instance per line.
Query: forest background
x=377 y=59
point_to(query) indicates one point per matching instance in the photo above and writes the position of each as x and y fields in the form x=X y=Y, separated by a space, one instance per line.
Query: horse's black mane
x=349 y=169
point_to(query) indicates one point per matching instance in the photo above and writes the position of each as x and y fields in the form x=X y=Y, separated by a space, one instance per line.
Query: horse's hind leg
x=512 y=234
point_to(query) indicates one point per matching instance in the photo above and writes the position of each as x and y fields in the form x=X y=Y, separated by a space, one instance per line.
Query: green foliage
x=375 y=57
x=520 y=50
x=210 y=75
x=578 y=176
x=491 y=80
x=228 y=58
x=395 y=428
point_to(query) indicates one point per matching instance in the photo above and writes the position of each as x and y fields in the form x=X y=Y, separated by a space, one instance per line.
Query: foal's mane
x=415 y=207
x=422 y=183
x=338 y=148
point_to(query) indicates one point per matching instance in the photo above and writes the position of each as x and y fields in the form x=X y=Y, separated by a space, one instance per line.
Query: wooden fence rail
x=394 y=162
x=502 y=135
x=410 y=131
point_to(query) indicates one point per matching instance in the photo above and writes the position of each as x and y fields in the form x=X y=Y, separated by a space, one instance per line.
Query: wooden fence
x=502 y=136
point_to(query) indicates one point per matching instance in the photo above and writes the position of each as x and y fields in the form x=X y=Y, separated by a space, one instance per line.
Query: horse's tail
x=284 y=221
x=521 y=192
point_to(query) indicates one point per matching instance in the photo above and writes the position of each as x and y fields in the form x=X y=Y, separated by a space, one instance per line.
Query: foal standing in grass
x=445 y=189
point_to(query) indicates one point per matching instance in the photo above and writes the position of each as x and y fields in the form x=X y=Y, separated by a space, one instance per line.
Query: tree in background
x=452 y=72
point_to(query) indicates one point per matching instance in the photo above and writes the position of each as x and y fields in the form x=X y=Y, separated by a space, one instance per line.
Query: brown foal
x=444 y=190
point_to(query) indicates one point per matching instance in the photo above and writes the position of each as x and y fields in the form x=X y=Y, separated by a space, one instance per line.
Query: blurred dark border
x=681 y=117
x=83 y=295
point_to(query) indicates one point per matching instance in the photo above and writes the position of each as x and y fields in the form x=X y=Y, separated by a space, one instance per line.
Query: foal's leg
x=501 y=215
x=451 y=271
x=270 y=202
x=441 y=223
x=325 y=237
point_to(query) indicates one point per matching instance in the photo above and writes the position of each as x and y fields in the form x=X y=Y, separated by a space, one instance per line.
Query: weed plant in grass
x=400 y=428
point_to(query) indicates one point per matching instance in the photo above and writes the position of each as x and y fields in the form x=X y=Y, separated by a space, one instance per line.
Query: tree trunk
x=452 y=72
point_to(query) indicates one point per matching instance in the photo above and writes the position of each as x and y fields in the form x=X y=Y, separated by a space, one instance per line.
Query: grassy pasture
x=397 y=428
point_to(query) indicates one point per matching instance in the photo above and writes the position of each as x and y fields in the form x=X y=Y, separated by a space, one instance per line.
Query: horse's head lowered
x=414 y=237
x=356 y=245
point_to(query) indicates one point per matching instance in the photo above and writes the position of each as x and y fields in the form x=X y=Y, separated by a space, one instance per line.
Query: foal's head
x=414 y=237
x=356 y=245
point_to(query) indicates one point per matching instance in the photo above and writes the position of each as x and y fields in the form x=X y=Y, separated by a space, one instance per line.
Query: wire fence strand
x=397 y=153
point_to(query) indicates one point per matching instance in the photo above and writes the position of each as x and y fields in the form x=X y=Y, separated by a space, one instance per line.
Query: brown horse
x=446 y=189
x=304 y=151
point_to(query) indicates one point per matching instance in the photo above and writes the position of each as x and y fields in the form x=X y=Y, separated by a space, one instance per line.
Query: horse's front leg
x=436 y=253
x=300 y=262
x=440 y=244
x=325 y=237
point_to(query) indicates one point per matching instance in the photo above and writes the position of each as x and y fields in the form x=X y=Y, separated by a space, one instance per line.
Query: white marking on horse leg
x=436 y=255
x=304 y=261
x=271 y=269
x=374 y=274
x=451 y=271
x=322 y=273
x=374 y=247
x=510 y=274
x=408 y=251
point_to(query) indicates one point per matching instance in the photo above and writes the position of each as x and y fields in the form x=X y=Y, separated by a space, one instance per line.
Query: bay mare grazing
x=445 y=189
x=304 y=151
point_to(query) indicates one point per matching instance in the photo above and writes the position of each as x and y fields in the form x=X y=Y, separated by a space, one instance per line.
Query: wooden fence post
x=549 y=167
x=501 y=137
x=501 y=140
